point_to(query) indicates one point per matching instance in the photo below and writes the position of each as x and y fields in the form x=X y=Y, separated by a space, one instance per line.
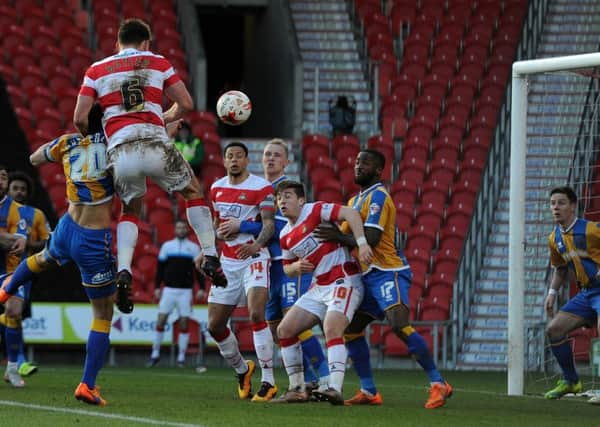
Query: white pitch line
x=97 y=414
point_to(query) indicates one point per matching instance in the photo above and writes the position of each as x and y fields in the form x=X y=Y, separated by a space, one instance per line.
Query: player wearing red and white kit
x=241 y=196
x=130 y=86
x=335 y=293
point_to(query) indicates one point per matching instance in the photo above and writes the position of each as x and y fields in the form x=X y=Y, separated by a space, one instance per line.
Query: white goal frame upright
x=516 y=250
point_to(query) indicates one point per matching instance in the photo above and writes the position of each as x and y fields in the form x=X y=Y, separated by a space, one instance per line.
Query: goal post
x=522 y=71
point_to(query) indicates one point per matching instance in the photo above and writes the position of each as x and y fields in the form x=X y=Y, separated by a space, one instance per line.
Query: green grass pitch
x=181 y=397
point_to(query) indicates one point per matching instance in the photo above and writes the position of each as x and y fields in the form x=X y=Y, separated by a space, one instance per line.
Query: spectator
x=176 y=270
x=190 y=146
x=342 y=115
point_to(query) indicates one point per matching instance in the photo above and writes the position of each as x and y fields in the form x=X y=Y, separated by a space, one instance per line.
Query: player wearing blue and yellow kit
x=14 y=239
x=20 y=188
x=83 y=235
x=575 y=246
x=387 y=280
x=283 y=291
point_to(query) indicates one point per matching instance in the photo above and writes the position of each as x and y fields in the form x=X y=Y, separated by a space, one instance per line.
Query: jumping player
x=130 y=86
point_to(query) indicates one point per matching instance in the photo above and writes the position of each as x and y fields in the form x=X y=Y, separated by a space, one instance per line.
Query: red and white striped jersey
x=331 y=260
x=242 y=201
x=129 y=86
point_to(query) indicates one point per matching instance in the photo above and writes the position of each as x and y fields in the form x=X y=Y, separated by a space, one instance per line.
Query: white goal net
x=554 y=139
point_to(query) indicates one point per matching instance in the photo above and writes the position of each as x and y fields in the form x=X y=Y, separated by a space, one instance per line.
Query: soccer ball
x=234 y=107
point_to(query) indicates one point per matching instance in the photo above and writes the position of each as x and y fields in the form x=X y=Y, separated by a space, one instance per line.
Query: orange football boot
x=438 y=394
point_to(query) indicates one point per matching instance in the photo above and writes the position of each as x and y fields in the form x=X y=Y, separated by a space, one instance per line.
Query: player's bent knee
x=13 y=321
x=216 y=330
x=285 y=332
x=14 y=308
x=555 y=331
x=257 y=316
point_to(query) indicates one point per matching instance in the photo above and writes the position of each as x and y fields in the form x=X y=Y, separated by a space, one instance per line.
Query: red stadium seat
x=205 y=116
x=320 y=162
x=393 y=346
x=8 y=73
x=330 y=195
x=8 y=16
x=326 y=183
x=435 y=191
x=24 y=116
x=412 y=72
x=402 y=15
x=32 y=77
x=440 y=279
x=434 y=309
x=147 y=264
x=39 y=104
x=349 y=187
x=164 y=232
x=161 y=216
x=314 y=139
x=421 y=237
x=430 y=214
x=13 y=36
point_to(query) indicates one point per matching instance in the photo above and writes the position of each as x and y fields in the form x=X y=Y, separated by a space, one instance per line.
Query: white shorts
x=343 y=296
x=131 y=162
x=179 y=298
x=241 y=276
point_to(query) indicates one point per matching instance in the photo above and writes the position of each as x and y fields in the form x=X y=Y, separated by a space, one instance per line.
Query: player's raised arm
x=354 y=220
x=182 y=102
x=82 y=110
x=38 y=157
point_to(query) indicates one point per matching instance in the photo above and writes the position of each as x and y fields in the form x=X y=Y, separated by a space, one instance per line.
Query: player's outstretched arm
x=266 y=232
x=298 y=267
x=182 y=102
x=7 y=241
x=365 y=253
x=38 y=157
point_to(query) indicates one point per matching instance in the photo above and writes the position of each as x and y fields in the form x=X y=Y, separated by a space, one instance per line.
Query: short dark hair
x=235 y=144
x=22 y=176
x=95 y=119
x=567 y=191
x=293 y=185
x=3 y=168
x=133 y=32
x=378 y=155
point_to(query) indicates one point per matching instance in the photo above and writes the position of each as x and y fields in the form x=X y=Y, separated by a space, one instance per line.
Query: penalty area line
x=96 y=414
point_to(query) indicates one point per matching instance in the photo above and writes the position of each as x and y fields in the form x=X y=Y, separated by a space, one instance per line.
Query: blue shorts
x=383 y=290
x=91 y=250
x=283 y=291
x=585 y=304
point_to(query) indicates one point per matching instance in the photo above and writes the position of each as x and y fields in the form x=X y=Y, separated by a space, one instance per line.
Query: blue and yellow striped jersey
x=377 y=210
x=37 y=225
x=578 y=248
x=84 y=164
x=10 y=222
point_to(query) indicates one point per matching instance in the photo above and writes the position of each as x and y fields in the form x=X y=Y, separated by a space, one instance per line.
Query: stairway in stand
x=327 y=42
